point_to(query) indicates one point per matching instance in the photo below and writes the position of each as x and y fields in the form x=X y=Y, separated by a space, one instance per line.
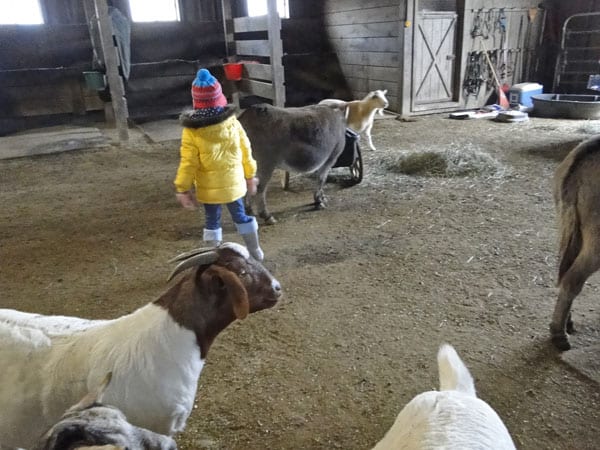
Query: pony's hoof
x=561 y=343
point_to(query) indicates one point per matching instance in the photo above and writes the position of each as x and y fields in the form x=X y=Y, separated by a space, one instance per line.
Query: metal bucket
x=95 y=80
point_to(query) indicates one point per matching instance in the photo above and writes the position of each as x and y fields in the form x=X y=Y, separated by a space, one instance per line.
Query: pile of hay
x=454 y=161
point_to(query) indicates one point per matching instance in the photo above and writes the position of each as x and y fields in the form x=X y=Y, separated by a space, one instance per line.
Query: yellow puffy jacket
x=216 y=157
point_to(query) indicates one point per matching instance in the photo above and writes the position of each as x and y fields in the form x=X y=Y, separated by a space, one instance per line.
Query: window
x=259 y=8
x=21 y=12
x=154 y=10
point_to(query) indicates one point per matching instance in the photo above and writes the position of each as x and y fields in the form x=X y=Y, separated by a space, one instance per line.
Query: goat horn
x=191 y=253
x=201 y=259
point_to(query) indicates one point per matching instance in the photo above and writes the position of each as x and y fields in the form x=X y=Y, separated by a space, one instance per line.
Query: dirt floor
x=373 y=284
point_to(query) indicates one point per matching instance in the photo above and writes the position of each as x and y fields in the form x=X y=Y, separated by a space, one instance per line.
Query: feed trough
x=567 y=106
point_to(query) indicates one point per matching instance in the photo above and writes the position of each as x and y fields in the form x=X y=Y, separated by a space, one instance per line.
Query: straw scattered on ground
x=453 y=161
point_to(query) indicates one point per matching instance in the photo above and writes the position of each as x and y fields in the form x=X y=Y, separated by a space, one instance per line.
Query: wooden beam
x=258 y=88
x=111 y=60
x=278 y=76
x=247 y=24
x=253 y=48
x=258 y=71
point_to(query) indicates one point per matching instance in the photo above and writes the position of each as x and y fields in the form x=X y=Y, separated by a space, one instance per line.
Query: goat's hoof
x=561 y=342
x=320 y=205
x=270 y=220
x=570 y=327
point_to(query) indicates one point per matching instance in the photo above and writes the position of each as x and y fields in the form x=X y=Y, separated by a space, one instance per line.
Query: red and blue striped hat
x=207 y=91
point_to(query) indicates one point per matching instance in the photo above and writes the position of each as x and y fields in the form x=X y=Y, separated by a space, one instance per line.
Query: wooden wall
x=515 y=59
x=366 y=38
x=41 y=66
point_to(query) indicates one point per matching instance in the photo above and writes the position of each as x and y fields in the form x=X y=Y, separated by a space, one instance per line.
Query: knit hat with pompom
x=207 y=91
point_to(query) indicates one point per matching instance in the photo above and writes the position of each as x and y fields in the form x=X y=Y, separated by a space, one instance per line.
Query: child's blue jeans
x=236 y=209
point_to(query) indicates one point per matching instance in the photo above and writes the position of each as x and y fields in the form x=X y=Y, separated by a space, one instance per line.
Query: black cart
x=351 y=157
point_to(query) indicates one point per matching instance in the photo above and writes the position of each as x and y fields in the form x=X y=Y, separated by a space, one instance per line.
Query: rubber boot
x=213 y=238
x=249 y=232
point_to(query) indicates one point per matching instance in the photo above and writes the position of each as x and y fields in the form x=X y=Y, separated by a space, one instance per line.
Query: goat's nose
x=276 y=287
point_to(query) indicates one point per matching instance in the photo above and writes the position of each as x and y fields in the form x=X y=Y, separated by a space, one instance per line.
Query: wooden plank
x=380 y=59
x=364 y=15
x=168 y=68
x=258 y=88
x=253 y=48
x=248 y=24
x=365 y=85
x=363 y=30
x=156 y=83
x=158 y=41
x=366 y=45
x=29 y=46
x=111 y=60
x=391 y=74
x=226 y=13
x=36 y=77
x=304 y=36
x=276 y=54
x=43 y=143
x=25 y=100
x=353 y=5
x=406 y=59
x=257 y=71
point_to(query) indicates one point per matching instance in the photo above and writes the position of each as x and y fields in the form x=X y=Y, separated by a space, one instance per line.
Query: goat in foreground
x=450 y=419
x=577 y=199
x=361 y=113
x=156 y=353
x=92 y=425
x=304 y=140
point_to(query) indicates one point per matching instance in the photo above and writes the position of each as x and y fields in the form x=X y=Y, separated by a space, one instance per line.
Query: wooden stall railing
x=259 y=38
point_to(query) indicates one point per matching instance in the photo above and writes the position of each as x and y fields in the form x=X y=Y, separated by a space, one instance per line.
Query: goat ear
x=384 y=91
x=235 y=292
x=93 y=396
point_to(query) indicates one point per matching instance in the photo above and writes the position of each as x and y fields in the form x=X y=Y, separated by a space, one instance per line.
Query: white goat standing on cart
x=361 y=113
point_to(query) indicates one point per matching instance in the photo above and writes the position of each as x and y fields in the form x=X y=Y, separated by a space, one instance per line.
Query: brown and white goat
x=361 y=113
x=91 y=425
x=577 y=198
x=156 y=353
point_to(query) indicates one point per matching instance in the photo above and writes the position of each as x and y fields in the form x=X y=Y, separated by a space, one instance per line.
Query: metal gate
x=434 y=61
x=579 y=51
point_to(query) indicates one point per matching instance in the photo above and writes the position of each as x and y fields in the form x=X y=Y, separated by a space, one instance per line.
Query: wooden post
x=111 y=60
x=276 y=54
x=229 y=46
x=406 y=60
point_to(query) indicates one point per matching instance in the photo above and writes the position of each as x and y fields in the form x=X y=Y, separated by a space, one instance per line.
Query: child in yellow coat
x=216 y=159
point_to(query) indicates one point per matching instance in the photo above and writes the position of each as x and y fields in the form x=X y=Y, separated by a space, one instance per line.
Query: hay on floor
x=448 y=162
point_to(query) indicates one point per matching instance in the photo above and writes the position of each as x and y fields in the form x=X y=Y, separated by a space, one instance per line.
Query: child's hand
x=187 y=199
x=252 y=185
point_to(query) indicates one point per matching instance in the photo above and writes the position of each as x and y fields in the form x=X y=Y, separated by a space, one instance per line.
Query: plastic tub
x=567 y=106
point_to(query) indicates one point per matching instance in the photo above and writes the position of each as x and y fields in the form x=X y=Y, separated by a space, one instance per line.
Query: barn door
x=434 y=61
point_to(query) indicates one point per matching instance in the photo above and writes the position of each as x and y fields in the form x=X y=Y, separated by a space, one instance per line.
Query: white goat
x=361 y=113
x=91 y=425
x=156 y=353
x=450 y=419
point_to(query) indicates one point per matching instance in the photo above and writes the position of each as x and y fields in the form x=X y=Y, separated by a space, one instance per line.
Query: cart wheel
x=356 y=169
